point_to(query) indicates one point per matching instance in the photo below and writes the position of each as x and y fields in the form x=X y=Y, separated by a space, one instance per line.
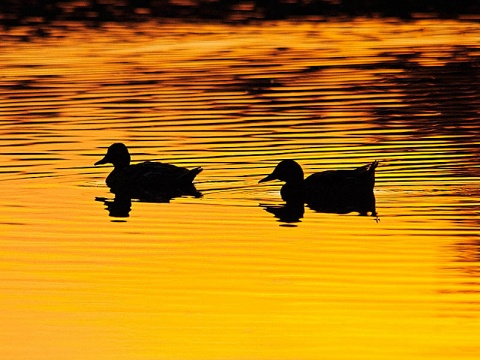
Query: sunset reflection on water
x=218 y=277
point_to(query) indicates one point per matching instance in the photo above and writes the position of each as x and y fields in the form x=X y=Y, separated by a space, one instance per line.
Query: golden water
x=219 y=277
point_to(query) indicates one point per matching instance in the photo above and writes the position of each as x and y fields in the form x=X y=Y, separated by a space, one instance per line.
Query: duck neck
x=293 y=191
x=119 y=165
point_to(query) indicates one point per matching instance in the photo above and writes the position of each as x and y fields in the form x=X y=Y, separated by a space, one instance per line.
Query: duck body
x=147 y=179
x=339 y=191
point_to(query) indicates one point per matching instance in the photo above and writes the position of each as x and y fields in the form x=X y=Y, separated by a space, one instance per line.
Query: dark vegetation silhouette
x=94 y=12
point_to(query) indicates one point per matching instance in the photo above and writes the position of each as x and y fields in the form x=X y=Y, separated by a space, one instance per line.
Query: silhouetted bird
x=339 y=191
x=147 y=180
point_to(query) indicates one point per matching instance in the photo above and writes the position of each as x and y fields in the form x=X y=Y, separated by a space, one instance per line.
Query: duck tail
x=196 y=171
x=189 y=176
x=371 y=173
x=366 y=174
x=367 y=169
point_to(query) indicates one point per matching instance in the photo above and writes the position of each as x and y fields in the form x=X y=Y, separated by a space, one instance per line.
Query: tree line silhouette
x=17 y=12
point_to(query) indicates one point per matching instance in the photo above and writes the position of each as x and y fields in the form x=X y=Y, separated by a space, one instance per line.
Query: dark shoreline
x=95 y=12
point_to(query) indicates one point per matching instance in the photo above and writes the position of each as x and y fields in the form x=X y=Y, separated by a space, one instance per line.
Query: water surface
x=220 y=277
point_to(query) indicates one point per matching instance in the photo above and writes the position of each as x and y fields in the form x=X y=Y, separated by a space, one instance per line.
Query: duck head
x=118 y=155
x=287 y=170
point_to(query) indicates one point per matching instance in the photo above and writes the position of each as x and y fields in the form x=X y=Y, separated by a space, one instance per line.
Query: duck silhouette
x=147 y=180
x=337 y=191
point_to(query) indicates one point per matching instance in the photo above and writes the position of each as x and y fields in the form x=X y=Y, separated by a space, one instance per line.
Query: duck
x=339 y=191
x=147 y=179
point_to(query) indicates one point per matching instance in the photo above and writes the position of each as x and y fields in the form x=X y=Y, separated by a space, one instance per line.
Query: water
x=220 y=277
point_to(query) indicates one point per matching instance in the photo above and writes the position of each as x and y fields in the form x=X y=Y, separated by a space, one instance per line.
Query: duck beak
x=268 y=178
x=103 y=161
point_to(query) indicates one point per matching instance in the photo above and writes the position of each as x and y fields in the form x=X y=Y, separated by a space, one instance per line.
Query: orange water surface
x=221 y=276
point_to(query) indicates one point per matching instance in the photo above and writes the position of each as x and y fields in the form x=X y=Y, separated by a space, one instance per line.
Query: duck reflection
x=119 y=207
x=333 y=191
x=292 y=211
x=289 y=213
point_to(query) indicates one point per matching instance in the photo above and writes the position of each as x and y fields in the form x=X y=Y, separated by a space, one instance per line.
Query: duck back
x=151 y=178
x=359 y=179
x=342 y=189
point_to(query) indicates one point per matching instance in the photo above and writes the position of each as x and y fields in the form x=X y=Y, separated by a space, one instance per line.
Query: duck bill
x=101 y=162
x=268 y=178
